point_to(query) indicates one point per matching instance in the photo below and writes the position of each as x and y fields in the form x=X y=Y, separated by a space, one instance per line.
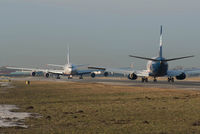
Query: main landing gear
x=70 y=77
x=81 y=77
x=144 y=79
x=170 y=79
x=154 y=80
x=57 y=77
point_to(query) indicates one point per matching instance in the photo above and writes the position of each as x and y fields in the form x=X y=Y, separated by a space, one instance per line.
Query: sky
x=99 y=32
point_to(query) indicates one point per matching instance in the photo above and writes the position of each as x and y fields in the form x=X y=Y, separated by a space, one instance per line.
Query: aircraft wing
x=173 y=73
x=140 y=73
x=82 y=65
x=81 y=72
x=62 y=66
x=28 y=69
x=59 y=72
x=54 y=65
x=119 y=71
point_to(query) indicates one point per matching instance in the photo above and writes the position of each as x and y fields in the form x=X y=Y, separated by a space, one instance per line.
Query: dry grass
x=68 y=107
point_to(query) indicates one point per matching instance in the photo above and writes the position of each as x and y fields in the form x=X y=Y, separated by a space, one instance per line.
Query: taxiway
x=185 y=84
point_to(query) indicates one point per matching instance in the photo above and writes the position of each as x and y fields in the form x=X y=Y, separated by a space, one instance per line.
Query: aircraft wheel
x=142 y=80
x=154 y=80
x=172 y=79
x=169 y=80
x=146 y=79
x=81 y=77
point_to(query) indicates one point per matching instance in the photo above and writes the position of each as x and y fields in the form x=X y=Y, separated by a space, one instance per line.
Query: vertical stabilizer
x=160 y=50
x=68 y=55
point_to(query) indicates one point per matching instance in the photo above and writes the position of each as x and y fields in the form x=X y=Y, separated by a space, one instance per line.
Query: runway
x=187 y=84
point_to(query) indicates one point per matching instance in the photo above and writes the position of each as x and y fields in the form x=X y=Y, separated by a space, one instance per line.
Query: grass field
x=75 y=108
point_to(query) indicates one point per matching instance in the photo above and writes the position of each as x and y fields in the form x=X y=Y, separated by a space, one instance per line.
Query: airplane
x=68 y=69
x=156 y=67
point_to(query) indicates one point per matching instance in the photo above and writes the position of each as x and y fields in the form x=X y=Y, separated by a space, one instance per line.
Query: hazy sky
x=99 y=32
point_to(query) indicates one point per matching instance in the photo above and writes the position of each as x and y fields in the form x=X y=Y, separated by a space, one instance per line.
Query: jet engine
x=93 y=75
x=33 y=73
x=132 y=76
x=181 y=76
x=47 y=75
x=105 y=74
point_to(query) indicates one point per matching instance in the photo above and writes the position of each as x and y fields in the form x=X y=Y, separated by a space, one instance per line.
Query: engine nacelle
x=132 y=76
x=93 y=75
x=47 y=75
x=33 y=73
x=105 y=74
x=181 y=76
x=97 y=72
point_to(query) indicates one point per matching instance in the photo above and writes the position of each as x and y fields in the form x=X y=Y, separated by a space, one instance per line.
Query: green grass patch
x=83 y=108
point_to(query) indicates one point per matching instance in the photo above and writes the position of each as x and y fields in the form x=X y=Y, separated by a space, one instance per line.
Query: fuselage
x=70 y=69
x=157 y=68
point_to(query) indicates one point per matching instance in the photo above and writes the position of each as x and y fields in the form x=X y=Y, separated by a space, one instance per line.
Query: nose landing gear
x=144 y=79
x=171 y=79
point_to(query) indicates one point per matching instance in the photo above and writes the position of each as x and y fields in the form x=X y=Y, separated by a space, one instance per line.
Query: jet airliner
x=68 y=69
x=156 y=67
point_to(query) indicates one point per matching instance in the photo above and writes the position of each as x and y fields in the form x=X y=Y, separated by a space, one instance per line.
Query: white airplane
x=156 y=67
x=68 y=69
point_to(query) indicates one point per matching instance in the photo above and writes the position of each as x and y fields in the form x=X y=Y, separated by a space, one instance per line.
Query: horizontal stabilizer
x=144 y=58
x=179 y=58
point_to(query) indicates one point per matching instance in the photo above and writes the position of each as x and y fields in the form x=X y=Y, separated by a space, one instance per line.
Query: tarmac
x=187 y=84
